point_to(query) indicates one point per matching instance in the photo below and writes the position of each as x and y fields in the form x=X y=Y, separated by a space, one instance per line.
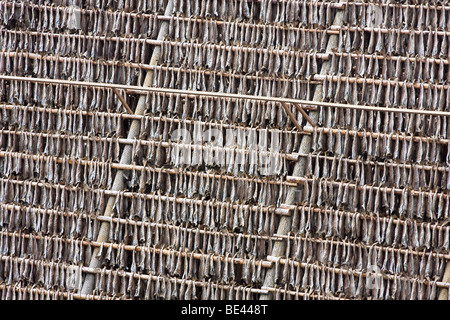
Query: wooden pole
x=118 y=185
x=285 y=224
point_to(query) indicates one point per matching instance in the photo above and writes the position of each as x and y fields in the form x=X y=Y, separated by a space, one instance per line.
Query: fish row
x=46 y=223
x=409 y=14
x=389 y=174
x=131 y=50
x=33 y=119
x=363 y=257
x=158 y=208
x=145 y=178
x=380 y=123
x=421 y=70
x=239 y=33
x=68 y=120
x=305 y=12
x=414 y=43
x=404 y=202
x=370 y=229
x=66 y=146
x=240 y=59
x=367 y=145
x=330 y=281
x=232 y=159
x=78 y=69
x=47 y=17
x=45 y=274
x=100 y=99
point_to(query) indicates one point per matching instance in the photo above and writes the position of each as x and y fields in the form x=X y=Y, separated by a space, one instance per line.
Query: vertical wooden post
x=118 y=185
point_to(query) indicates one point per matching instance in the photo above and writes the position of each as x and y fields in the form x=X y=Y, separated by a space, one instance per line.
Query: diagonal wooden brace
x=304 y=114
x=291 y=116
x=125 y=104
